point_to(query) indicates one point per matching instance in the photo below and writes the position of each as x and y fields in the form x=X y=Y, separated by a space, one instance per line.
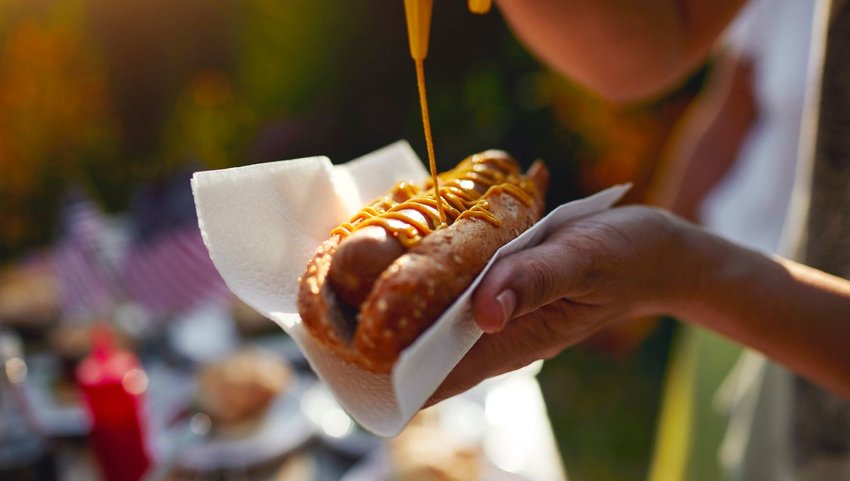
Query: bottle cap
x=480 y=6
x=418 y=15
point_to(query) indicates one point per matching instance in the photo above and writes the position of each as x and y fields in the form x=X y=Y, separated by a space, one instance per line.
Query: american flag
x=77 y=261
x=172 y=273
x=155 y=257
x=167 y=268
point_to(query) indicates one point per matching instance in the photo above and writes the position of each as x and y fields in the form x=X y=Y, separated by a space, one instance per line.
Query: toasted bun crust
x=416 y=288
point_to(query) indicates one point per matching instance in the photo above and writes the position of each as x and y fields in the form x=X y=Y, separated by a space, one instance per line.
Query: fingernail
x=507 y=301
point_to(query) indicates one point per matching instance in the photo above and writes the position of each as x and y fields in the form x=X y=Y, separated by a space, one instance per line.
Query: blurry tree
x=210 y=124
x=168 y=64
x=54 y=114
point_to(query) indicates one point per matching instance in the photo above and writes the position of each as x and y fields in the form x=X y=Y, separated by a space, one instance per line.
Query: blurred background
x=107 y=107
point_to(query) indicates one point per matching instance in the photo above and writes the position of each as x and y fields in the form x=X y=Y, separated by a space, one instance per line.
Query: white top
x=753 y=206
x=749 y=206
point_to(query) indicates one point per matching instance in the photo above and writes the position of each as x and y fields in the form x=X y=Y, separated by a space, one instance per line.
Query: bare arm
x=794 y=314
x=625 y=50
x=633 y=261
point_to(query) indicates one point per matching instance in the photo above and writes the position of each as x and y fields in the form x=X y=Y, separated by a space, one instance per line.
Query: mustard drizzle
x=459 y=199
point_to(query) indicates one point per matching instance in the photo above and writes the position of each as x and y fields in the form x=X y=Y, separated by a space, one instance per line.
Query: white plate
x=282 y=430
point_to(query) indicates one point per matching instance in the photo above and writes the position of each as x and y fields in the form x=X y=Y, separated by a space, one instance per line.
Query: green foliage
x=604 y=409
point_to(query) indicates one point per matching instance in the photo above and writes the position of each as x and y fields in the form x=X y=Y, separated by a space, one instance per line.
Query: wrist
x=673 y=262
x=699 y=262
x=716 y=279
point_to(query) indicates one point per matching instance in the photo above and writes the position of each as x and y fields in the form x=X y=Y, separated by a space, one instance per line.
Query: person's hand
x=621 y=263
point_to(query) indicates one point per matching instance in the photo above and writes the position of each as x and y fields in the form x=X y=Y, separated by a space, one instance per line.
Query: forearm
x=630 y=261
x=624 y=49
x=794 y=314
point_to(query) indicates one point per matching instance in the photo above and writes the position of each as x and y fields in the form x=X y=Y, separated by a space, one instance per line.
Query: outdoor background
x=115 y=99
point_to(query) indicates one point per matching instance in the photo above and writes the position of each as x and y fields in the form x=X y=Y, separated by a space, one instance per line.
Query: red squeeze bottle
x=112 y=383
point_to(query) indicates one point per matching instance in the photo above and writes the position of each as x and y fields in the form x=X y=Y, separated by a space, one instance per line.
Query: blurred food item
x=424 y=452
x=238 y=389
x=29 y=298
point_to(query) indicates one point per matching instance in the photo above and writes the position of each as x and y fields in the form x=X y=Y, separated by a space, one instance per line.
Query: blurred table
x=305 y=436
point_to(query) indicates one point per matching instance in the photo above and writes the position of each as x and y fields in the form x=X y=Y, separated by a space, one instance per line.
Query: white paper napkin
x=261 y=224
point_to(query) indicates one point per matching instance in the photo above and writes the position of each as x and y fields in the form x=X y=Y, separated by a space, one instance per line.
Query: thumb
x=526 y=280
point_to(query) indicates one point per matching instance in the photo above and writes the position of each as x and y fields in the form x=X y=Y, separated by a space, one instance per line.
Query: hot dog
x=387 y=274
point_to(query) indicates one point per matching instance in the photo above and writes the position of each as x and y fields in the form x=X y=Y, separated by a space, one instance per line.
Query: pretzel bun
x=388 y=274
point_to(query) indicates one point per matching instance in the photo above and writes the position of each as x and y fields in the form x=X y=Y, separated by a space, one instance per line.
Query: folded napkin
x=261 y=224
